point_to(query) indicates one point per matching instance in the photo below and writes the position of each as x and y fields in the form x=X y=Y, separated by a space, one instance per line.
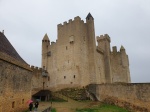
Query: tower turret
x=45 y=48
x=125 y=63
x=89 y=16
x=104 y=44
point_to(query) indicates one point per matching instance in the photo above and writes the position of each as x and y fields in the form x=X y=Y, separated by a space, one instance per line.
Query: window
x=48 y=78
x=22 y=101
x=64 y=77
x=13 y=104
x=74 y=76
x=49 y=53
x=66 y=48
x=71 y=39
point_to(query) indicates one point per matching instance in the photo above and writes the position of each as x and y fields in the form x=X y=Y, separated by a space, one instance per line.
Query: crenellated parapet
x=76 y=19
x=114 y=49
x=34 y=68
x=53 y=43
x=103 y=37
x=39 y=70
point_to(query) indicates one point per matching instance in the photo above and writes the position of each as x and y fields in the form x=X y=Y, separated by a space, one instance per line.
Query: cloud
x=127 y=22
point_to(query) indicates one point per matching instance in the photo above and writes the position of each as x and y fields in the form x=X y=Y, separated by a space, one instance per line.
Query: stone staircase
x=74 y=93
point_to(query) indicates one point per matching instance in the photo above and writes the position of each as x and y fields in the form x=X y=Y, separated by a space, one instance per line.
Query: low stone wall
x=132 y=96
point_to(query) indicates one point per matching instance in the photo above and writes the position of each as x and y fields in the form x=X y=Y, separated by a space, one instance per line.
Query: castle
x=75 y=60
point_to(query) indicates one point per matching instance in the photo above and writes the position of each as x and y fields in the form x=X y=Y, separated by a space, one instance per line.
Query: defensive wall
x=40 y=79
x=132 y=96
x=15 y=85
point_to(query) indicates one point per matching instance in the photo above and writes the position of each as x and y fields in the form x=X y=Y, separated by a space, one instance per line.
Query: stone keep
x=75 y=60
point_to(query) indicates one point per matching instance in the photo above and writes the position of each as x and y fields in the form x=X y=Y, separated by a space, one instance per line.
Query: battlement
x=34 y=68
x=52 y=43
x=77 y=18
x=114 y=49
x=122 y=48
x=38 y=70
x=103 y=37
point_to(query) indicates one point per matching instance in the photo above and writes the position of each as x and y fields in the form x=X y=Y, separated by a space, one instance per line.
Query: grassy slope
x=102 y=108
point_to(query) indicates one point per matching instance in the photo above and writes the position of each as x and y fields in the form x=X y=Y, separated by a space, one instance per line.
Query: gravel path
x=69 y=106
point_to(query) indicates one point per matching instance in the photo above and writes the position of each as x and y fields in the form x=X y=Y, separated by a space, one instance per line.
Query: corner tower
x=91 y=47
x=45 y=48
x=125 y=65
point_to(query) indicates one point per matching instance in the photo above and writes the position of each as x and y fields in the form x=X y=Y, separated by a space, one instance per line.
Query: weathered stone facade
x=40 y=79
x=74 y=60
x=135 y=96
x=15 y=79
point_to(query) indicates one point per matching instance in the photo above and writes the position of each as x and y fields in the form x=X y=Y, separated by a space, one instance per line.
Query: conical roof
x=46 y=37
x=89 y=16
x=7 y=48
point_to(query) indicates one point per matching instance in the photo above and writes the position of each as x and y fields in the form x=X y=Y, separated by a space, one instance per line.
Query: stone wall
x=74 y=60
x=40 y=80
x=133 y=96
x=15 y=87
x=120 y=65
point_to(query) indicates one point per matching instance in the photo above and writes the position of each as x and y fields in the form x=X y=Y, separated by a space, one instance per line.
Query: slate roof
x=89 y=16
x=7 y=48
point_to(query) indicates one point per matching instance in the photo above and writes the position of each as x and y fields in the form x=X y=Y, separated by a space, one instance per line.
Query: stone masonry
x=40 y=79
x=15 y=79
x=135 y=96
x=75 y=60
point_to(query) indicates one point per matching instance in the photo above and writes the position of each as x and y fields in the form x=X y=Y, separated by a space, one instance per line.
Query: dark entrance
x=43 y=95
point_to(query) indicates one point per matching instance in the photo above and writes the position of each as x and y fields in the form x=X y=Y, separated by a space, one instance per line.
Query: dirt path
x=69 y=106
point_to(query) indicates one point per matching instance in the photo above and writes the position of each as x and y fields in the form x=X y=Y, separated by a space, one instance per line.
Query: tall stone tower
x=91 y=47
x=104 y=44
x=74 y=60
x=45 y=48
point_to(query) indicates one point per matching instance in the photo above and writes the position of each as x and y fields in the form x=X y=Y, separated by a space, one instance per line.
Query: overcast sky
x=127 y=22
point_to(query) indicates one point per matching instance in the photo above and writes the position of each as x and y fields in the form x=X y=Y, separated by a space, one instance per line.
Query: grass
x=53 y=110
x=103 y=108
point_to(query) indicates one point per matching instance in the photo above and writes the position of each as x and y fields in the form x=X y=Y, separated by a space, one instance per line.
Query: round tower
x=45 y=48
x=91 y=47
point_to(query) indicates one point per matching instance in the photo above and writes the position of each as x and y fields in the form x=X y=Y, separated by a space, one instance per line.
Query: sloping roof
x=46 y=37
x=42 y=93
x=89 y=16
x=7 y=48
